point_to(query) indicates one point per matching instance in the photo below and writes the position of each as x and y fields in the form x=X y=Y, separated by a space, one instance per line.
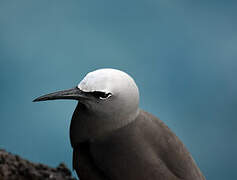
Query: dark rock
x=13 y=167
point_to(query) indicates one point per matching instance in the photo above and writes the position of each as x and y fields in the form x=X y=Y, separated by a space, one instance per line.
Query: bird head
x=110 y=93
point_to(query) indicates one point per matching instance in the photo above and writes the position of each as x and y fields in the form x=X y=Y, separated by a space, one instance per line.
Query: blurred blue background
x=182 y=55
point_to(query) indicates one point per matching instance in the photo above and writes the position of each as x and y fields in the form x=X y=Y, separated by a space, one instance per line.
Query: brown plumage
x=145 y=149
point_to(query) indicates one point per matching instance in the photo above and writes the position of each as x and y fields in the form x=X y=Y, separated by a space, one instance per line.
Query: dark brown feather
x=145 y=149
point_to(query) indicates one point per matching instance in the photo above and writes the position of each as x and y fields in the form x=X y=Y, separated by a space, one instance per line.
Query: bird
x=114 y=139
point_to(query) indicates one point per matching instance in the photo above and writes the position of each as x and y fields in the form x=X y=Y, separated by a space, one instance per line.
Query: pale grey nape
x=113 y=139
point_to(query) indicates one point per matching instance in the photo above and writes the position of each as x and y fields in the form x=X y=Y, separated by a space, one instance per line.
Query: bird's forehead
x=101 y=80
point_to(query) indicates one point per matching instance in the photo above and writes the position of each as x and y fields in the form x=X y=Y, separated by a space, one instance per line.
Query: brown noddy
x=113 y=139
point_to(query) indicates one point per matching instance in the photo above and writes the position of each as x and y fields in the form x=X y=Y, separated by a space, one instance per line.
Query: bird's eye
x=101 y=95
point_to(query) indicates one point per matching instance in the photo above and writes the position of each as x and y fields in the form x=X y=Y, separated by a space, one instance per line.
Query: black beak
x=74 y=93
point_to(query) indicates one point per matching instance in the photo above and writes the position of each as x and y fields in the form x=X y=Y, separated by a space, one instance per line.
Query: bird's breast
x=127 y=155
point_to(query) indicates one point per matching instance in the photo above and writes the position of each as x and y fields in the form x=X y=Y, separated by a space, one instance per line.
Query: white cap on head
x=125 y=94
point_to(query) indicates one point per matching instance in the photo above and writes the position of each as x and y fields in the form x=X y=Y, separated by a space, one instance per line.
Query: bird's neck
x=87 y=125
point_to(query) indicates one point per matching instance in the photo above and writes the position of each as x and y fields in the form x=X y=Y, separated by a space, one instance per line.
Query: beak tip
x=36 y=100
